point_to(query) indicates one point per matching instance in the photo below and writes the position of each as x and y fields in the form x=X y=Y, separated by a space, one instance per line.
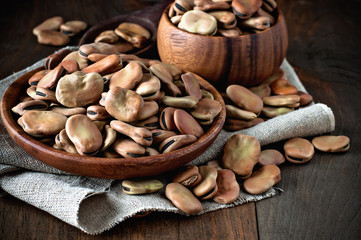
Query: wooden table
x=321 y=199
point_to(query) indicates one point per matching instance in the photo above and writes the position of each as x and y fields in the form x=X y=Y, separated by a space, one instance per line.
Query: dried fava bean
x=270 y=157
x=175 y=142
x=269 y=5
x=98 y=47
x=258 y=22
x=31 y=91
x=272 y=112
x=329 y=143
x=49 y=24
x=22 y=107
x=262 y=90
x=244 y=98
x=70 y=66
x=73 y=27
x=100 y=124
x=241 y=153
x=206 y=110
x=128 y=77
x=225 y=19
x=96 y=112
x=63 y=142
x=173 y=70
x=234 y=32
x=298 y=150
x=207 y=188
x=139 y=135
x=279 y=74
x=182 y=6
x=123 y=46
x=141 y=186
x=79 y=89
x=281 y=100
x=236 y=125
x=54 y=38
x=52 y=77
x=166 y=119
x=183 y=198
x=180 y=102
x=84 y=134
x=162 y=72
x=206 y=94
x=262 y=179
x=283 y=87
x=176 y=19
x=244 y=9
x=196 y=21
x=133 y=33
x=266 y=14
x=128 y=148
x=45 y=94
x=237 y=113
x=82 y=62
x=186 y=124
x=159 y=135
x=34 y=80
x=150 y=123
x=191 y=85
x=188 y=176
x=148 y=87
x=149 y=109
x=228 y=188
x=151 y=151
x=42 y=123
x=104 y=65
x=109 y=137
x=67 y=111
x=53 y=60
x=208 y=5
x=305 y=98
x=107 y=36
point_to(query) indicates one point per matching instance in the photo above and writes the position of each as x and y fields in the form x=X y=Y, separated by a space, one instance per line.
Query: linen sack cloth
x=96 y=205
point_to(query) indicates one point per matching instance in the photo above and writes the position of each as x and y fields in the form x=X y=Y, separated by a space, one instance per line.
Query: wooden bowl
x=110 y=168
x=246 y=60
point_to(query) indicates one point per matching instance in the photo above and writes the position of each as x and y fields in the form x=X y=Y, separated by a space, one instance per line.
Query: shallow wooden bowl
x=247 y=60
x=111 y=168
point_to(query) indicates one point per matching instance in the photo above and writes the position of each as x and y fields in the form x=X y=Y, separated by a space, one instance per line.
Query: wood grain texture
x=247 y=60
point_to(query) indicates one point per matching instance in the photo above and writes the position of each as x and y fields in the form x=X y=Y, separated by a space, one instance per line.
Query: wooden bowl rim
x=19 y=135
x=167 y=20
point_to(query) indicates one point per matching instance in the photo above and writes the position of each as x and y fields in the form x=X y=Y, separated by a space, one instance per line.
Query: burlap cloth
x=96 y=205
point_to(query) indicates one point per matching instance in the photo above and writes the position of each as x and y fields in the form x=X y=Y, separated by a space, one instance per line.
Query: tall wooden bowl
x=247 y=60
x=111 y=168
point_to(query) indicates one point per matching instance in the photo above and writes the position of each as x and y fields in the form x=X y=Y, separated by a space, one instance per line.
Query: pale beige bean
x=72 y=28
x=45 y=95
x=128 y=77
x=141 y=186
x=149 y=109
x=49 y=24
x=281 y=100
x=22 y=107
x=196 y=21
x=128 y=148
x=54 y=38
x=180 y=102
x=67 y=111
x=82 y=62
x=150 y=123
x=139 y=135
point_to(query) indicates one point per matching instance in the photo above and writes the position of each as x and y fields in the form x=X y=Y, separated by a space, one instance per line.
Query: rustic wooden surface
x=321 y=200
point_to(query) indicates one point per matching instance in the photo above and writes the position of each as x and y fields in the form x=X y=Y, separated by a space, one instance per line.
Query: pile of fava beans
x=228 y=18
x=97 y=101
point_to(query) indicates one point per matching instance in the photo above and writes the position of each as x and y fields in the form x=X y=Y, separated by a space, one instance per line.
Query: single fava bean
x=22 y=107
x=109 y=137
x=166 y=119
x=244 y=9
x=191 y=85
x=34 y=80
x=209 y=5
x=305 y=98
x=128 y=148
x=270 y=157
x=148 y=87
x=259 y=23
x=225 y=19
x=237 y=113
x=241 y=154
x=262 y=90
x=183 y=198
x=79 y=89
x=186 y=124
x=67 y=111
x=282 y=100
x=207 y=188
x=159 y=135
x=228 y=187
x=104 y=65
x=49 y=24
x=283 y=87
x=45 y=95
x=236 y=125
x=140 y=135
x=330 y=143
x=63 y=142
x=180 y=102
x=262 y=179
x=271 y=112
x=123 y=104
x=244 y=98
x=149 y=109
x=96 y=112
x=82 y=62
x=98 y=47
x=234 y=32
x=182 y=6
x=84 y=134
x=73 y=27
x=52 y=77
x=175 y=142
x=107 y=36
x=196 y=21
x=173 y=70
x=55 y=38
x=164 y=75
x=188 y=176
x=128 y=77
x=141 y=186
x=133 y=33
x=206 y=110
x=298 y=150
x=42 y=123
x=269 y=5
x=150 y=123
